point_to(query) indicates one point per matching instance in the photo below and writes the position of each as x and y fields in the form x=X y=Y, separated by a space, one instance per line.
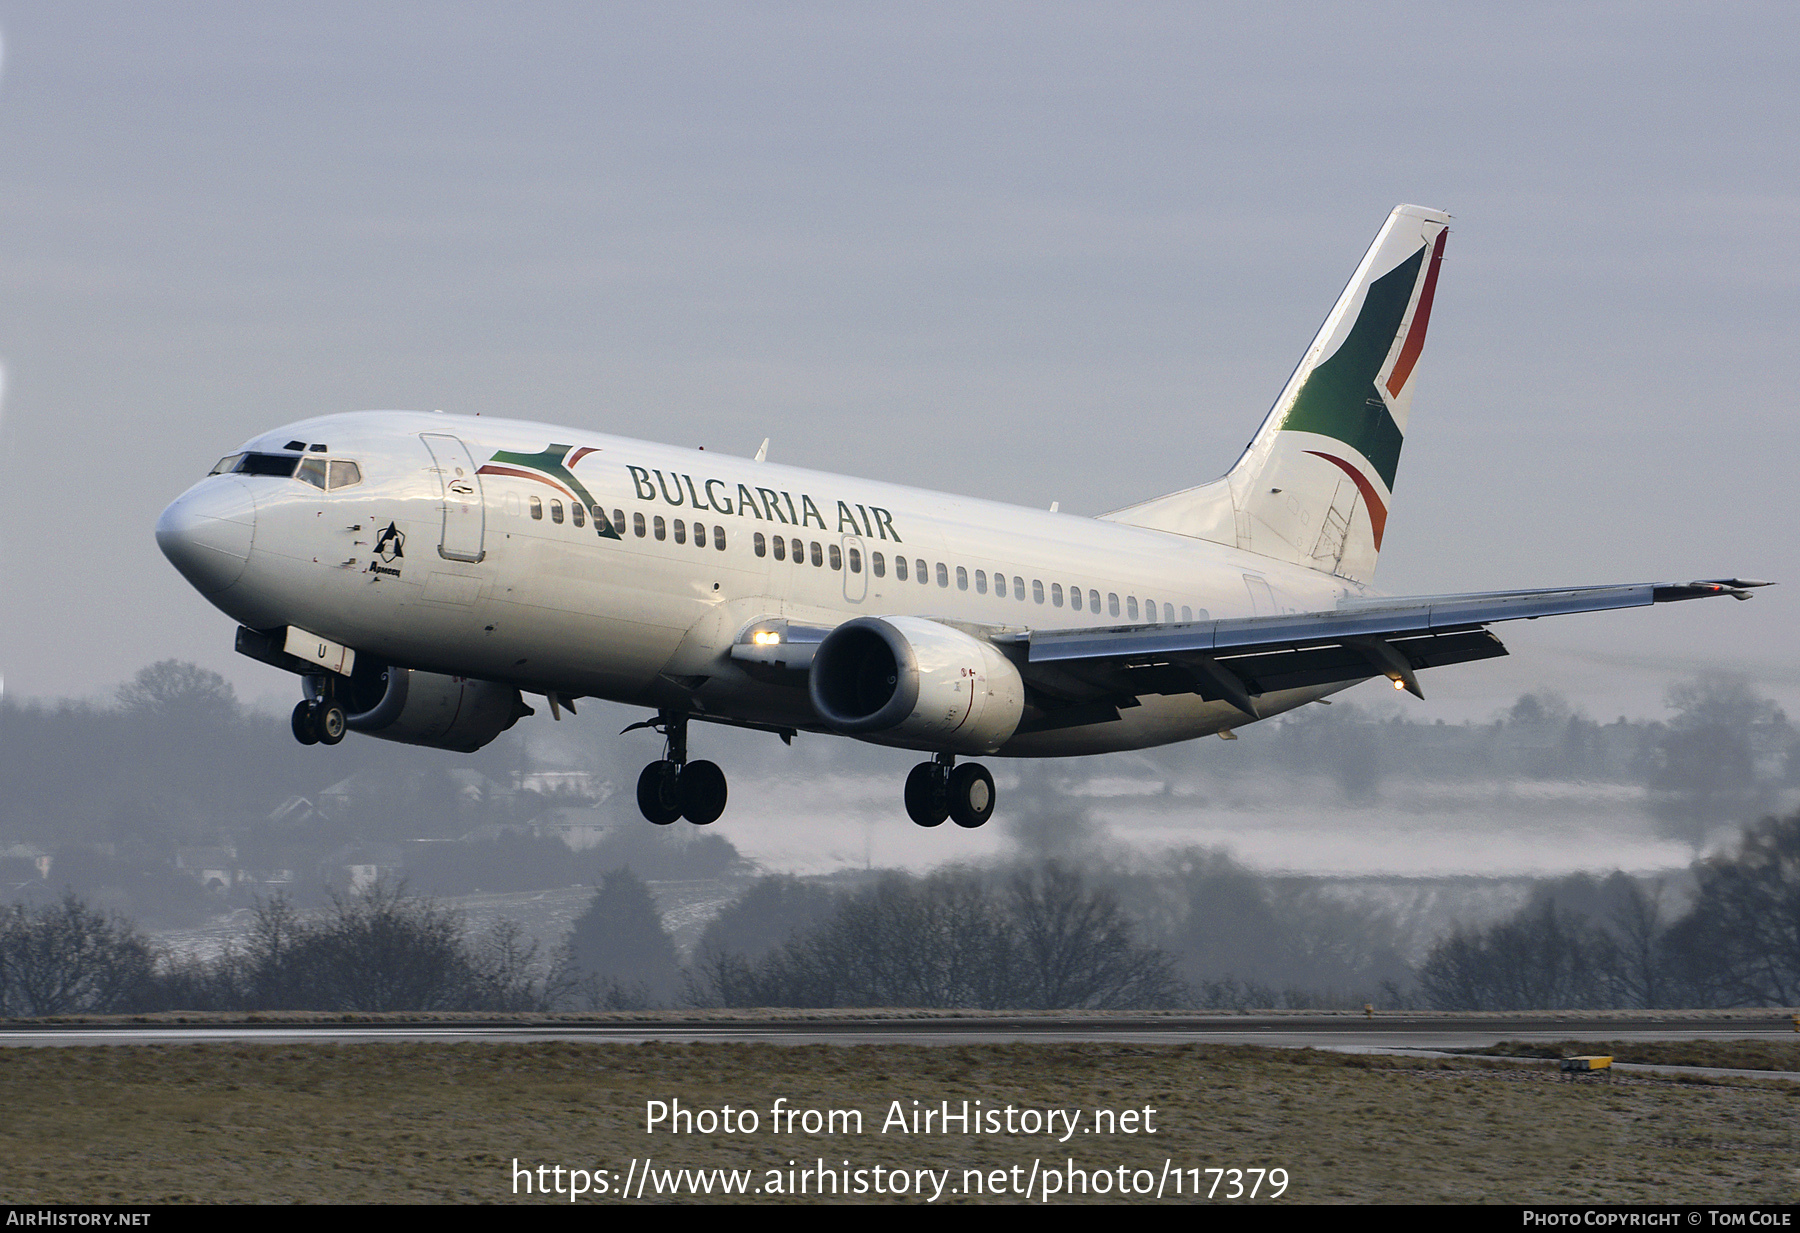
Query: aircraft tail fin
x=1315 y=483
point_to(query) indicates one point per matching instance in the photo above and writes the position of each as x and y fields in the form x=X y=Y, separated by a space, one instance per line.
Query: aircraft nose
x=207 y=532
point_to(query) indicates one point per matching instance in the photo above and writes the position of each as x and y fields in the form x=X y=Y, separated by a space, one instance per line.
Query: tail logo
x=1342 y=397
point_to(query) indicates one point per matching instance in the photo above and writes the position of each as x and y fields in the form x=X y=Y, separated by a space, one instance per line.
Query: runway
x=1391 y=1032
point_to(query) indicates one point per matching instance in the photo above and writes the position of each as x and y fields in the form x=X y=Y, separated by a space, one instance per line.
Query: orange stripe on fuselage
x=496 y=469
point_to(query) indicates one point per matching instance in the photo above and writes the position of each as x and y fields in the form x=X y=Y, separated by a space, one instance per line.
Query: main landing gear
x=674 y=787
x=319 y=720
x=940 y=789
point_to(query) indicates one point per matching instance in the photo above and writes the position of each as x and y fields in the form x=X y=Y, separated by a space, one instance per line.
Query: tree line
x=1197 y=932
x=1616 y=943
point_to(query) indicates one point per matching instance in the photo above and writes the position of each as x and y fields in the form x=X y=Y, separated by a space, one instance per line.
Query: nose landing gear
x=319 y=720
x=939 y=789
x=674 y=787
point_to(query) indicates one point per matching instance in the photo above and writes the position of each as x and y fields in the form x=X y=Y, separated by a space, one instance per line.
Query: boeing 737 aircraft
x=422 y=572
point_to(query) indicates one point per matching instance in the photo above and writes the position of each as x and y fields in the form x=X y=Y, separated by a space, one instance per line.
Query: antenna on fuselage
x=762 y=451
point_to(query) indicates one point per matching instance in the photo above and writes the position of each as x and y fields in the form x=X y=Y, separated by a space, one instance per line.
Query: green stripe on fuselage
x=550 y=462
x=1340 y=398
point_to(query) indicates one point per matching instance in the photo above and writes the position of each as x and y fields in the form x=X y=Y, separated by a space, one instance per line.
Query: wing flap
x=1235 y=660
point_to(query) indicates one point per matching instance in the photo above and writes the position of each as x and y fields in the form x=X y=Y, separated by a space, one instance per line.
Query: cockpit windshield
x=253 y=463
x=334 y=473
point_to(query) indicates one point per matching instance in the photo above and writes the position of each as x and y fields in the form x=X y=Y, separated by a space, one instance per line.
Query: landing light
x=765 y=637
x=1399 y=684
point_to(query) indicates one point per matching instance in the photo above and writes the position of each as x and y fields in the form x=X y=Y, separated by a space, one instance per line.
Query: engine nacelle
x=912 y=682
x=424 y=708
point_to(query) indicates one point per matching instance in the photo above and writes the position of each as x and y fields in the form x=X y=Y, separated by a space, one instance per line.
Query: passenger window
x=1075 y=598
x=1019 y=589
x=1169 y=614
x=799 y=552
x=878 y=564
x=818 y=556
x=759 y=544
x=943 y=573
x=781 y=548
x=537 y=509
x=1094 y=601
x=855 y=561
x=344 y=474
x=1037 y=592
x=719 y=538
x=680 y=531
x=1112 y=603
x=899 y=568
x=980 y=580
x=618 y=519
x=577 y=515
x=1000 y=584
x=1131 y=608
x=312 y=470
x=924 y=574
x=699 y=535
x=837 y=557
x=556 y=511
x=637 y=525
x=962 y=578
x=662 y=529
x=1187 y=613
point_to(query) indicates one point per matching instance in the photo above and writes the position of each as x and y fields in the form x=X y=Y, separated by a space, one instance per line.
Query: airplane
x=423 y=572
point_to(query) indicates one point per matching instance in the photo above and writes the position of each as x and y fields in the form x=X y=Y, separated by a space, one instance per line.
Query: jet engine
x=915 y=683
x=425 y=708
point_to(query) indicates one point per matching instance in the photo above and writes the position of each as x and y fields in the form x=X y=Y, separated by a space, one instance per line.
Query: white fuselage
x=475 y=585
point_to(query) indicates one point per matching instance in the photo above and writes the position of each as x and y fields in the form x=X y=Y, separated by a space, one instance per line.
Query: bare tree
x=1740 y=944
x=1078 y=949
x=67 y=958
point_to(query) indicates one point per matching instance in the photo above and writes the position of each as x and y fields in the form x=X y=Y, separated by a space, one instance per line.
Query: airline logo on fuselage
x=763 y=504
x=551 y=466
x=554 y=466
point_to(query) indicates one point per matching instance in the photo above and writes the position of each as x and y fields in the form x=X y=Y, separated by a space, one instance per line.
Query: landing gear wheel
x=971 y=793
x=658 y=792
x=702 y=792
x=925 y=803
x=330 y=723
x=304 y=731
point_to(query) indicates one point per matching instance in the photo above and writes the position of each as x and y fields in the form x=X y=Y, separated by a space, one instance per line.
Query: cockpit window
x=312 y=470
x=339 y=472
x=254 y=463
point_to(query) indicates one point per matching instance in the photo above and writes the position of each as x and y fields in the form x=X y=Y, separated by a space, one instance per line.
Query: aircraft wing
x=1077 y=676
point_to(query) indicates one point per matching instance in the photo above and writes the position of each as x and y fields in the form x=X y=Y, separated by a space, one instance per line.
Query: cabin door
x=465 y=518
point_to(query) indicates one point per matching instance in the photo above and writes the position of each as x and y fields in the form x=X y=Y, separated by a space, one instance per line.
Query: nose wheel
x=673 y=787
x=938 y=790
x=319 y=722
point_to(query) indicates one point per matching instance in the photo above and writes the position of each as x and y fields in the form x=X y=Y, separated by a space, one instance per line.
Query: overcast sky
x=1034 y=252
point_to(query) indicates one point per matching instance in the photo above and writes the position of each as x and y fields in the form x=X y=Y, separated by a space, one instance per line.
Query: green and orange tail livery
x=1315 y=484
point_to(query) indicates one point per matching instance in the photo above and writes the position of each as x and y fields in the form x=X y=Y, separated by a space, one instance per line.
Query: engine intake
x=915 y=683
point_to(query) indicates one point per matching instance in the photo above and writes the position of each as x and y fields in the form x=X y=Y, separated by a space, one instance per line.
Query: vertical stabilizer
x=1315 y=483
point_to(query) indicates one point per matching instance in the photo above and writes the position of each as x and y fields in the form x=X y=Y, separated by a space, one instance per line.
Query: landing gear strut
x=674 y=787
x=940 y=789
x=319 y=720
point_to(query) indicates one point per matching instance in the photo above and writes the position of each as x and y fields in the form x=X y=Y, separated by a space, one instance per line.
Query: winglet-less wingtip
x=1737 y=588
